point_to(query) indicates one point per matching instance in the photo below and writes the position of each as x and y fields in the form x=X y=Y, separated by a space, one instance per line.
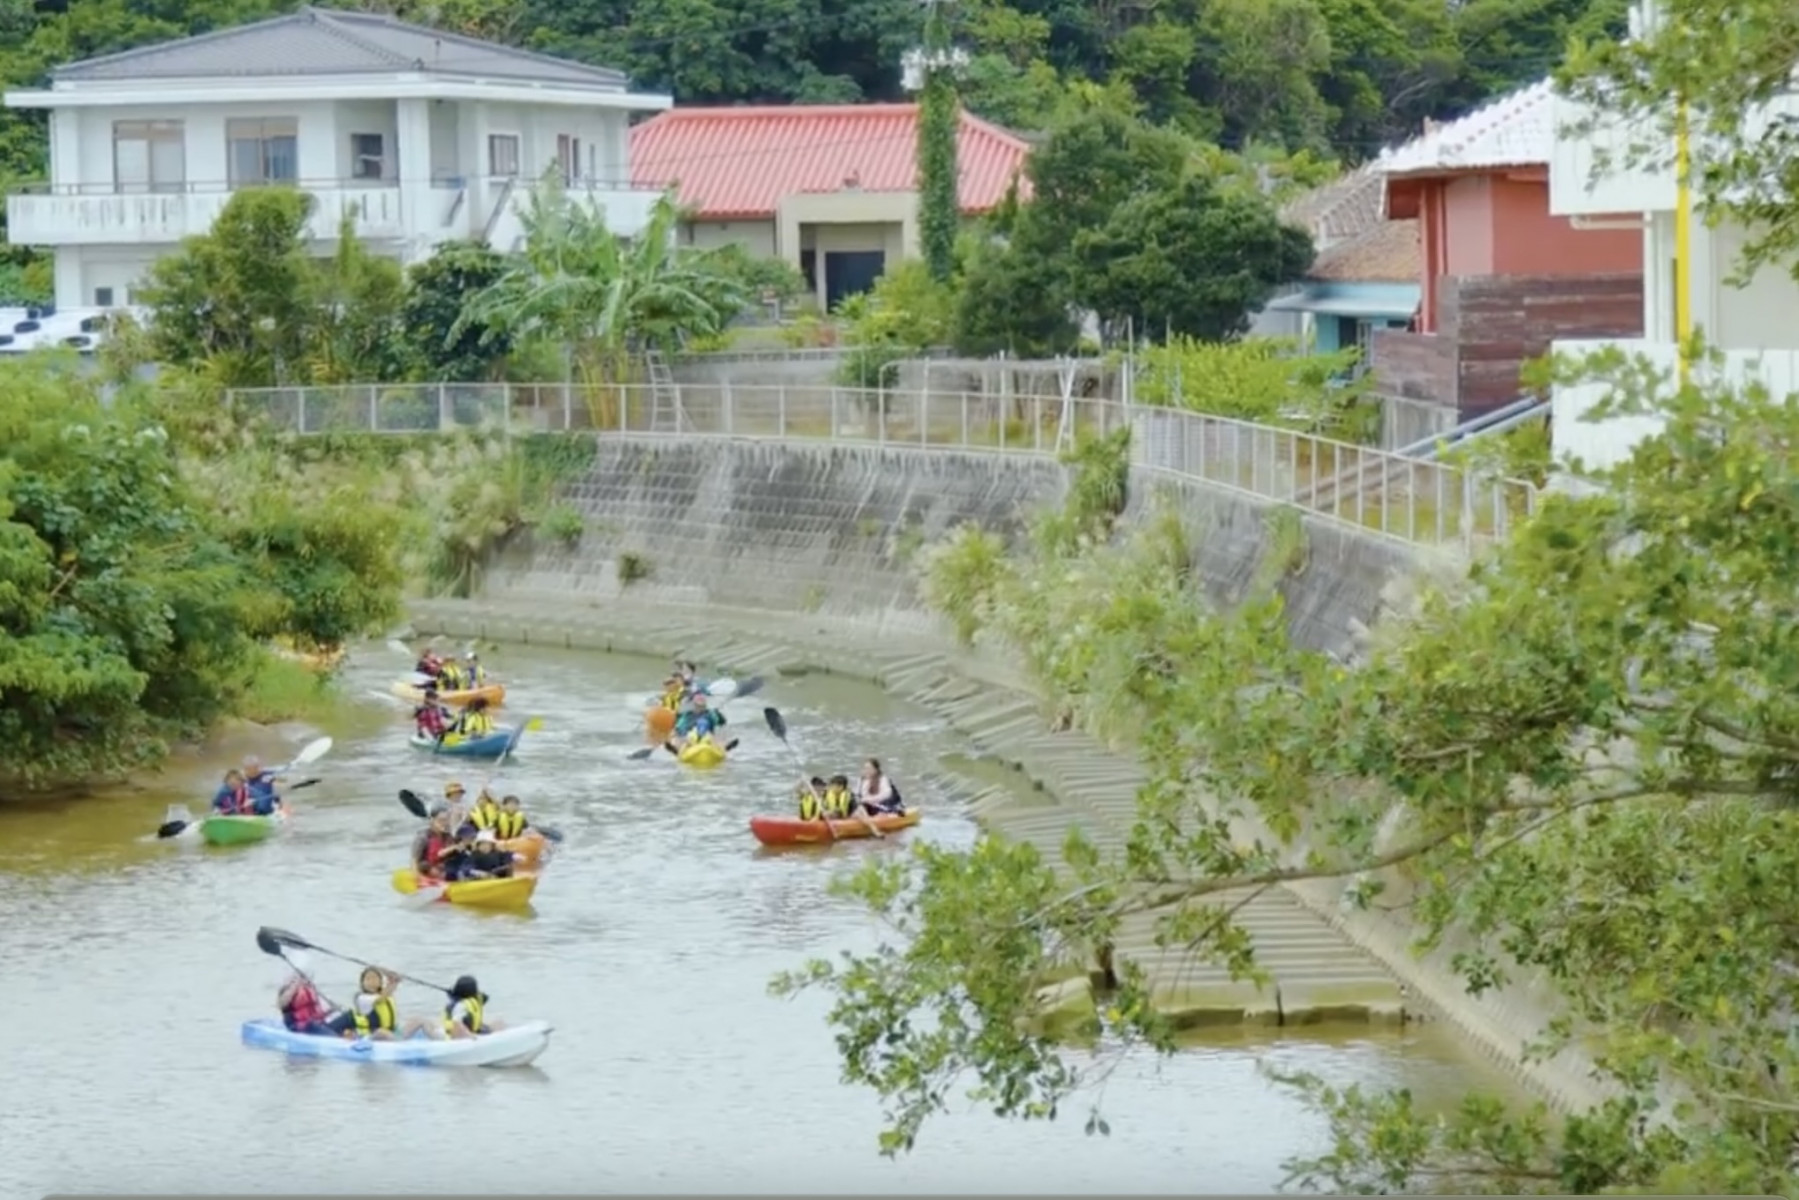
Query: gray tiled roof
x=316 y=41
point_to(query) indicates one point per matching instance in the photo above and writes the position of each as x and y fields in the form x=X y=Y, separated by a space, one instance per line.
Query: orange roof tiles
x=739 y=162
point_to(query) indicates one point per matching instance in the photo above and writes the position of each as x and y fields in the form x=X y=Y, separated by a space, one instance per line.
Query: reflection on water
x=656 y=932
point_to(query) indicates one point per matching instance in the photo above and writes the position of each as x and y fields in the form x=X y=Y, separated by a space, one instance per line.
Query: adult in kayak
x=487 y=860
x=303 y=1010
x=436 y=852
x=471 y=722
x=233 y=798
x=878 y=795
x=431 y=718
x=429 y=664
x=264 y=799
x=698 y=721
x=465 y=1016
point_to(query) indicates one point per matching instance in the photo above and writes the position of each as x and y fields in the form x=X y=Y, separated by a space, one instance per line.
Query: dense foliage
x=134 y=593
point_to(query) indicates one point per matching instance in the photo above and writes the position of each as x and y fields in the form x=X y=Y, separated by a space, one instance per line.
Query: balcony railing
x=101 y=214
x=1370 y=489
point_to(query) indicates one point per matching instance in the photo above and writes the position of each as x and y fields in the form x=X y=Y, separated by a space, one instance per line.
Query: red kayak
x=791 y=831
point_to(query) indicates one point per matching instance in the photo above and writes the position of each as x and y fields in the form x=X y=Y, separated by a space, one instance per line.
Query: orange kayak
x=791 y=831
x=527 y=849
x=659 y=723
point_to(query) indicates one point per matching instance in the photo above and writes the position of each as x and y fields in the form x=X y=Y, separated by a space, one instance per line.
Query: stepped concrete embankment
x=792 y=558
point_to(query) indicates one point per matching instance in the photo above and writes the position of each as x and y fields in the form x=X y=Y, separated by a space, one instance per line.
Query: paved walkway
x=1316 y=973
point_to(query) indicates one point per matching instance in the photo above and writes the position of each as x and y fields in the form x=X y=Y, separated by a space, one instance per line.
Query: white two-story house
x=421 y=136
x=1755 y=325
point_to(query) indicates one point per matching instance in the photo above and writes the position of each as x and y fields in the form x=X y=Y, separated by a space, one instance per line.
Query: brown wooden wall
x=1491 y=325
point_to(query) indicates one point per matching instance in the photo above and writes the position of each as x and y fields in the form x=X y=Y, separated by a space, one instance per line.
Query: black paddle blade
x=275 y=941
x=554 y=835
x=640 y=755
x=732 y=745
x=414 y=805
x=748 y=687
x=777 y=724
x=304 y=783
x=169 y=829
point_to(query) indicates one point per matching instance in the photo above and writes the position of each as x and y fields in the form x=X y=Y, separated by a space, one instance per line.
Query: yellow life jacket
x=476 y=724
x=449 y=679
x=672 y=700
x=486 y=815
x=809 y=807
x=383 y=1017
x=507 y=826
x=476 y=1020
x=838 y=801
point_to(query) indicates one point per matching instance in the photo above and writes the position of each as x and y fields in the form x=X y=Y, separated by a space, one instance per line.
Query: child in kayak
x=372 y=1013
x=233 y=798
x=839 y=800
x=812 y=797
x=472 y=722
x=487 y=860
x=465 y=1016
x=512 y=822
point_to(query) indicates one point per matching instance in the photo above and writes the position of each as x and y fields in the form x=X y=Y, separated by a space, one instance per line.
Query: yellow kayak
x=493 y=693
x=474 y=893
x=322 y=661
x=702 y=754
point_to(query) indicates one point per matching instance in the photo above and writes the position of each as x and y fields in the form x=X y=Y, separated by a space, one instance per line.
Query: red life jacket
x=304 y=1007
x=434 y=845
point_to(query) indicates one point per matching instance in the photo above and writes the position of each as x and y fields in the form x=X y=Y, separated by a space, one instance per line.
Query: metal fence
x=1410 y=499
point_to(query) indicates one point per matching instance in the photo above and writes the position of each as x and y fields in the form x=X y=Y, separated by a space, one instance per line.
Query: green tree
x=356 y=314
x=123 y=613
x=239 y=297
x=1577 y=758
x=602 y=296
x=440 y=344
x=939 y=118
x=1190 y=259
x=1012 y=302
x=907 y=312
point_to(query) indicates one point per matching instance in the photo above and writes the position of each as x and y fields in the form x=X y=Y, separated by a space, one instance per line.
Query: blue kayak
x=490 y=745
x=513 y=1046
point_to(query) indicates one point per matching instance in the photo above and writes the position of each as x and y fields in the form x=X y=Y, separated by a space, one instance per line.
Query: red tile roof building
x=734 y=164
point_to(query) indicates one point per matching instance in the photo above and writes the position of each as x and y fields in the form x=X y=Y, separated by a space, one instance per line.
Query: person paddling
x=879 y=796
x=431 y=718
x=264 y=799
x=700 y=721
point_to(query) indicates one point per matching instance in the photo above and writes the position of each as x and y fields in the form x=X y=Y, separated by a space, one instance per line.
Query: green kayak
x=237 y=831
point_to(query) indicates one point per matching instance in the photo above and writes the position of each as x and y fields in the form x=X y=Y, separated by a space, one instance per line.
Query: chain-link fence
x=1406 y=498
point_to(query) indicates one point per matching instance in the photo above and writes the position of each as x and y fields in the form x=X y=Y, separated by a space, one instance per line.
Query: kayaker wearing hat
x=431 y=718
x=487 y=860
x=465 y=1016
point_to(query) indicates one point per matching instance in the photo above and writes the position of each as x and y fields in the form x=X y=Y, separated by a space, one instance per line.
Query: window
x=263 y=151
x=502 y=155
x=149 y=156
x=368 y=158
x=568 y=157
x=102 y=297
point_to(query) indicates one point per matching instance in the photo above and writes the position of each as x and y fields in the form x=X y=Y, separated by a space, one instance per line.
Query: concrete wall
x=806 y=550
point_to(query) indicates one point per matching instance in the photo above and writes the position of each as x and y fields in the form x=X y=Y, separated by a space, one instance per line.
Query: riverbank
x=1329 y=964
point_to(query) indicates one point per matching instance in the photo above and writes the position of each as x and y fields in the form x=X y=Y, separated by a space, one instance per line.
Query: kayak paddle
x=777 y=725
x=279 y=941
x=418 y=808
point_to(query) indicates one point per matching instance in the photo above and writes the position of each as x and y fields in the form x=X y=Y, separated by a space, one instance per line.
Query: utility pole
x=931 y=72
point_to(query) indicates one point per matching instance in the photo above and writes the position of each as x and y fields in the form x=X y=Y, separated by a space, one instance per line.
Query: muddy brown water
x=131 y=964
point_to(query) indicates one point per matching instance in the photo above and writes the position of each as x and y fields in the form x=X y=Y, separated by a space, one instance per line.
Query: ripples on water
x=132 y=964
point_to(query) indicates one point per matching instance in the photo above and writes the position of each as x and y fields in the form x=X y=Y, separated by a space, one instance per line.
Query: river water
x=131 y=964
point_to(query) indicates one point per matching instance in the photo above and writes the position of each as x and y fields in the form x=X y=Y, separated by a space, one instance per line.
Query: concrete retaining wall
x=808 y=548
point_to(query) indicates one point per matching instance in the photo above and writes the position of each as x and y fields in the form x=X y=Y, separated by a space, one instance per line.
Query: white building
x=1756 y=325
x=421 y=136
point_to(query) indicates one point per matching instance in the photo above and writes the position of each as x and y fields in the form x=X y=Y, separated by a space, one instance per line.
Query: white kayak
x=513 y=1046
